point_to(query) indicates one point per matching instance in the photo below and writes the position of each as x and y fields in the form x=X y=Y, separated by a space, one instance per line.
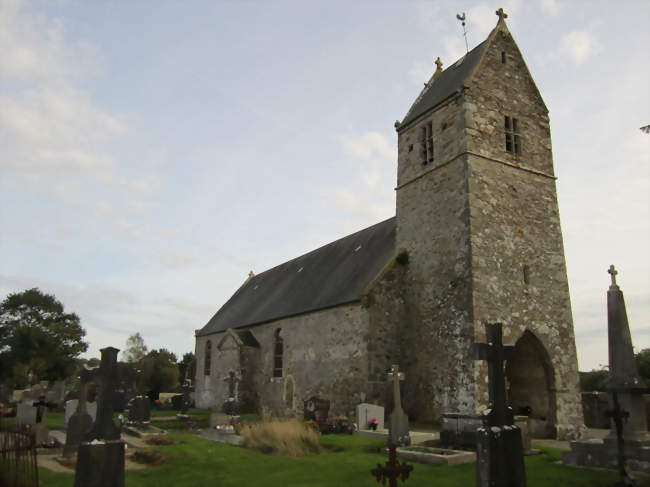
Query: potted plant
x=373 y=423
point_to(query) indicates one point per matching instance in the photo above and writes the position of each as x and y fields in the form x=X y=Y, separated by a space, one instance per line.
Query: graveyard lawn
x=345 y=461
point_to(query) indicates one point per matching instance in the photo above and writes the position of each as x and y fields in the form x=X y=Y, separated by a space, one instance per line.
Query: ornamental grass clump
x=290 y=438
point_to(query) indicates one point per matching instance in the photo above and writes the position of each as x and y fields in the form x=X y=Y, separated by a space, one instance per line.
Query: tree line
x=39 y=340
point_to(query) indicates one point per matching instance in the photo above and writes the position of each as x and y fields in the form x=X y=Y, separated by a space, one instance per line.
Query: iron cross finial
x=612 y=271
x=502 y=15
x=438 y=64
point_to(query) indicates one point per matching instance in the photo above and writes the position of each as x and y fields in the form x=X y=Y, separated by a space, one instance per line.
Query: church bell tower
x=477 y=213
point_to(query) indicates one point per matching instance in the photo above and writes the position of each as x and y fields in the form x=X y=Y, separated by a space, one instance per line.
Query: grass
x=345 y=461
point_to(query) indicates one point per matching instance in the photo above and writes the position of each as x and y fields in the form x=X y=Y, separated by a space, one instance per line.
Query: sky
x=153 y=153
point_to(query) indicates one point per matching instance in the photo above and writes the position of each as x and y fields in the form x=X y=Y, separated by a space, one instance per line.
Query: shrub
x=288 y=438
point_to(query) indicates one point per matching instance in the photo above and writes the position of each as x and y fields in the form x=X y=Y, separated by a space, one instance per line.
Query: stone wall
x=325 y=355
x=518 y=269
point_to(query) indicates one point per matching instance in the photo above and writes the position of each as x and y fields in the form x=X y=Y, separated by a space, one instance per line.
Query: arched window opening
x=277 y=354
x=208 y=358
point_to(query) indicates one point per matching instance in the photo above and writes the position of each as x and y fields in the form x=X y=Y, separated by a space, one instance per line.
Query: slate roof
x=334 y=274
x=449 y=82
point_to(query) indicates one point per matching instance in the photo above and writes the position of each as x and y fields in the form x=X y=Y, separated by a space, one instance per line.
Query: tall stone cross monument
x=100 y=461
x=499 y=449
x=399 y=422
x=624 y=376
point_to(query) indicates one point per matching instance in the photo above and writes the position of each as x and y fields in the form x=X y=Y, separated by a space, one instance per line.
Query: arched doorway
x=530 y=385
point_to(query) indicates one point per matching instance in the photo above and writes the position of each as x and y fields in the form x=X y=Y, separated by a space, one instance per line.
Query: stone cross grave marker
x=100 y=461
x=399 y=422
x=499 y=449
x=187 y=387
x=392 y=470
x=80 y=421
x=231 y=404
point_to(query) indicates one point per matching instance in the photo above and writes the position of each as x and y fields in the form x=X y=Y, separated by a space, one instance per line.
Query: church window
x=207 y=363
x=503 y=57
x=410 y=147
x=426 y=140
x=513 y=137
x=278 y=352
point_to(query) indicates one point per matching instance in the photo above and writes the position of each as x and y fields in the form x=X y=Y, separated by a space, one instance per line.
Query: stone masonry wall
x=325 y=353
x=514 y=221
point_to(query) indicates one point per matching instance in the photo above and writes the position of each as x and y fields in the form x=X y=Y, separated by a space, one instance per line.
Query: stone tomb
x=458 y=430
x=367 y=411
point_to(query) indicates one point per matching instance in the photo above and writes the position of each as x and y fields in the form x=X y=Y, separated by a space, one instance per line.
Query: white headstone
x=367 y=411
x=25 y=414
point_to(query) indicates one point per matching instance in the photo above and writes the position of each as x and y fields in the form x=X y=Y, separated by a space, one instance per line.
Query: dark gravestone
x=184 y=400
x=139 y=410
x=80 y=422
x=119 y=401
x=499 y=449
x=177 y=402
x=100 y=461
x=316 y=409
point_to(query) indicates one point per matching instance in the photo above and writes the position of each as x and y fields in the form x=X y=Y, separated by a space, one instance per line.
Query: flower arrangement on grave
x=373 y=423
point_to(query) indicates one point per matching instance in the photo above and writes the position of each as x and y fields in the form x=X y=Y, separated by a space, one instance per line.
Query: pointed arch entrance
x=531 y=391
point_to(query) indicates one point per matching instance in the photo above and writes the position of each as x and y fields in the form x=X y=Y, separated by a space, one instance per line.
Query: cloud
x=549 y=6
x=580 y=45
x=373 y=158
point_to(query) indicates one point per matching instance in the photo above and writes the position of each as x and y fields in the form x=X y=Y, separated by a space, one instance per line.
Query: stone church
x=476 y=239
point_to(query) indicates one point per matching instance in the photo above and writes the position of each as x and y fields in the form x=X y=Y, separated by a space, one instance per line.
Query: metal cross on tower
x=393 y=470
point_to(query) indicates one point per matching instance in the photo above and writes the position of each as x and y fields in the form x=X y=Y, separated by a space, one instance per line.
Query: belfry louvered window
x=426 y=143
x=513 y=137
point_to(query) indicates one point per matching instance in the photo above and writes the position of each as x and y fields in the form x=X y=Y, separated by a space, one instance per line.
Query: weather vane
x=462 y=18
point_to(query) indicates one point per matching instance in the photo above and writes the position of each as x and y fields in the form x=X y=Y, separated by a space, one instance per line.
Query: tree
x=643 y=363
x=160 y=370
x=594 y=381
x=135 y=349
x=38 y=336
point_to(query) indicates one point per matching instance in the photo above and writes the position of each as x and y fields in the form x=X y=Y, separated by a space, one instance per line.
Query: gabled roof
x=334 y=274
x=448 y=83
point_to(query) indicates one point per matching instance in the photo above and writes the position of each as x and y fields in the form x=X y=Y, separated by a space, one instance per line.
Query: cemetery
x=418 y=351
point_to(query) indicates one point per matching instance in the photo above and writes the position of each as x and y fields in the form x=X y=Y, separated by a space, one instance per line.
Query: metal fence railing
x=18 y=464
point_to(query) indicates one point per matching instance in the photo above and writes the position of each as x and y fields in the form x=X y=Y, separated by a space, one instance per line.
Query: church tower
x=477 y=213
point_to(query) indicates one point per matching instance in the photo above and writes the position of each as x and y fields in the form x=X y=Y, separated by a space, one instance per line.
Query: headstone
x=25 y=414
x=366 y=412
x=398 y=433
x=499 y=449
x=316 y=409
x=139 y=410
x=628 y=444
x=231 y=404
x=185 y=400
x=80 y=422
x=100 y=461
